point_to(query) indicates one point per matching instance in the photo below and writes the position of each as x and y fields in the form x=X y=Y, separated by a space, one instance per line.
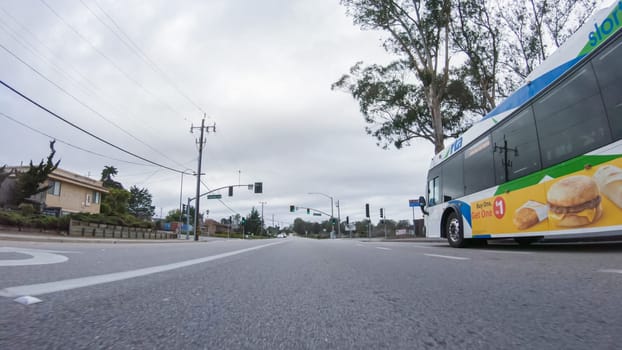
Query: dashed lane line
x=447 y=257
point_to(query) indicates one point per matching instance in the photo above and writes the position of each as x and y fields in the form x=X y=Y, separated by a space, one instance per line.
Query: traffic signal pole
x=309 y=209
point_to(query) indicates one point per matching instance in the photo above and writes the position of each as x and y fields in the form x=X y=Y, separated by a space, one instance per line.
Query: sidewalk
x=54 y=237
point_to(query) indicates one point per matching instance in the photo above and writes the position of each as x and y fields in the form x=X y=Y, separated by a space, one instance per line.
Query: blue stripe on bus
x=482 y=236
x=465 y=209
x=526 y=92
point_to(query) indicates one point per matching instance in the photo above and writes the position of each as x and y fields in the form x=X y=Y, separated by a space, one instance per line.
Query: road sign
x=317 y=214
x=413 y=203
x=214 y=196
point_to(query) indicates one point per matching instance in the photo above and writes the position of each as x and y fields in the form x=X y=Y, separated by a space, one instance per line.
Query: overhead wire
x=33 y=50
x=91 y=88
x=109 y=60
x=83 y=130
x=67 y=143
x=220 y=200
x=131 y=44
x=83 y=103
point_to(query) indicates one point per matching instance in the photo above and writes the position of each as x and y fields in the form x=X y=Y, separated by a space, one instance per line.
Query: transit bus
x=547 y=161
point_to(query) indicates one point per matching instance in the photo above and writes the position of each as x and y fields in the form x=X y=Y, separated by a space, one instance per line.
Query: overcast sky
x=260 y=70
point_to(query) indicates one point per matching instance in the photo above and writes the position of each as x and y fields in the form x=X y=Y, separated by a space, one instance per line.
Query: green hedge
x=21 y=220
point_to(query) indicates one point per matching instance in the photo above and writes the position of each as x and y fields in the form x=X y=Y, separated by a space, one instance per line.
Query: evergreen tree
x=29 y=182
x=140 y=203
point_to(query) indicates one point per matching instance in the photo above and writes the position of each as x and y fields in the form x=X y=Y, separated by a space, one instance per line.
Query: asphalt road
x=305 y=294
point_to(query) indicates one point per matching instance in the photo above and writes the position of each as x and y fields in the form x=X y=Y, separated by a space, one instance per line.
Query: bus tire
x=454 y=230
x=525 y=241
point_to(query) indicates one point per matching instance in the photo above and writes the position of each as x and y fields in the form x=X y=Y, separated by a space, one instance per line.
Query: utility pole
x=338 y=219
x=262 y=204
x=201 y=141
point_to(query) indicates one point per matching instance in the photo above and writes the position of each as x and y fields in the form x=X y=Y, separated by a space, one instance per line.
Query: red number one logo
x=499 y=207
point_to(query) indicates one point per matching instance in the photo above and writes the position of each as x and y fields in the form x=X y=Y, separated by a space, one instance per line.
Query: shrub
x=27 y=209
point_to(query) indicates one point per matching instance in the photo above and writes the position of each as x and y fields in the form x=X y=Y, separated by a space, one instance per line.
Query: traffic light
x=243 y=221
x=381 y=213
x=292 y=208
x=183 y=208
x=308 y=211
x=347 y=220
x=258 y=187
x=367 y=210
x=230 y=191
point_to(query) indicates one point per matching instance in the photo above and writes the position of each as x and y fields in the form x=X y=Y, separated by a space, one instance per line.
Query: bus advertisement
x=547 y=161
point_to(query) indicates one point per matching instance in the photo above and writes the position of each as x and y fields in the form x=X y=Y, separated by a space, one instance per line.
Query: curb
x=63 y=239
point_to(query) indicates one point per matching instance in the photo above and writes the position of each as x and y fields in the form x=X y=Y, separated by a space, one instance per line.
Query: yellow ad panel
x=585 y=199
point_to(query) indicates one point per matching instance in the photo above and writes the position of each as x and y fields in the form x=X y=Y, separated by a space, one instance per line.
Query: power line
x=83 y=103
x=103 y=55
x=85 y=131
x=138 y=51
x=65 y=142
x=91 y=88
x=32 y=49
x=220 y=200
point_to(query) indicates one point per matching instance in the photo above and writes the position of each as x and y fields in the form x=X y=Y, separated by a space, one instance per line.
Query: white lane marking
x=383 y=248
x=38 y=257
x=51 y=287
x=447 y=257
x=502 y=252
x=610 y=271
x=27 y=300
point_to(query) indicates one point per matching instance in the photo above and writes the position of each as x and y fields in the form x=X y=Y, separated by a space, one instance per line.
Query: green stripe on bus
x=559 y=170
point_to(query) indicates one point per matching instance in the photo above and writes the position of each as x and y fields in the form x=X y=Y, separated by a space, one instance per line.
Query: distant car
x=281 y=235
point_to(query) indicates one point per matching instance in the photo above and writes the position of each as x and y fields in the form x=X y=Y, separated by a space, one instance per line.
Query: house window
x=96 y=197
x=54 y=188
x=87 y=202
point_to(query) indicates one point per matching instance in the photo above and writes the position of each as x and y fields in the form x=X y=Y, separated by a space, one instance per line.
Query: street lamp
x=262 y=204
x=181 y=190
x=331 y=209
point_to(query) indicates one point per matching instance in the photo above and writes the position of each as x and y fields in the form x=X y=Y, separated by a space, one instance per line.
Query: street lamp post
x=332 y=215
x=262 y=204
x=181 y=190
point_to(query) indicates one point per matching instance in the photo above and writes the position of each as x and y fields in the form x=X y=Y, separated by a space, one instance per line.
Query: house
x=68 y=192
x=214 y=226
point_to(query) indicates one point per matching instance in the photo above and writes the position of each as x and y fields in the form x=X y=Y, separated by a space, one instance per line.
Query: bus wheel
x=453 y=228
x=525 y=241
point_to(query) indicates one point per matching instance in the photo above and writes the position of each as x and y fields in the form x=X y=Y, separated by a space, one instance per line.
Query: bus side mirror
x=422 y=205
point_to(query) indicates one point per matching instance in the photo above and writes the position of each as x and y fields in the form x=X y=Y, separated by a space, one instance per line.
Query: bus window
x=477 y=164
x=607 y=68
x=434 y=191
x=452 y=174
x=571 y=120
x=515 y=147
